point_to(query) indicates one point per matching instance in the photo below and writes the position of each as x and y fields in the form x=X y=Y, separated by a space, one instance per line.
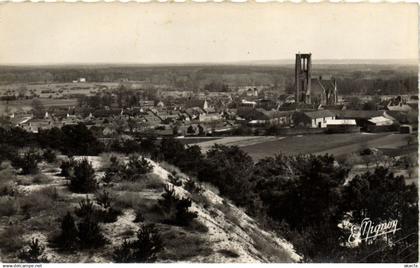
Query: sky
x=138 y=33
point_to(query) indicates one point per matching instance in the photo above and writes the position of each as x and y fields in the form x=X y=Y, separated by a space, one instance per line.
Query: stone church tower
x=303 y=72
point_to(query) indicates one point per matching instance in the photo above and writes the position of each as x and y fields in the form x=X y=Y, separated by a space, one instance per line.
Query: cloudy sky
x=60 y=33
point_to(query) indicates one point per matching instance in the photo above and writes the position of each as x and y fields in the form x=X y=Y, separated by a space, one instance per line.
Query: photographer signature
x=367 y=230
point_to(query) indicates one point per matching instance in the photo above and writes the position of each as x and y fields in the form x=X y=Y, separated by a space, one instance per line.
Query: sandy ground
x=228 y=228
x=233 y=235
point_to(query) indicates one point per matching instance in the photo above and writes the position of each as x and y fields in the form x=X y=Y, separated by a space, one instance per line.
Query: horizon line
x=240 y=62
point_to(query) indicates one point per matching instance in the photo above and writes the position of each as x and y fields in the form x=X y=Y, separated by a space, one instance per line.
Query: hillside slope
x=221 y=232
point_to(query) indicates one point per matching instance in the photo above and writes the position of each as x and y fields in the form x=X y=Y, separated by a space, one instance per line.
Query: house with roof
x=277 y=118
x=342 y=126
x=361 y=116
x=312 y=119
x=380 y=124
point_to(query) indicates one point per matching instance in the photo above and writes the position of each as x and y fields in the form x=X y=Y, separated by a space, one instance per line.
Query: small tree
x=137 y=167
x=114 y=171
x=85 y=209
x=90 y=234
x=176 y=209
x=68 y=238
x=144 y=249
x=175 y=179
x=104 y=199
x=192 y=187
x=34 y=253
x=28 y=162
x=106 y=213
x=67 y=167
x=83 y=179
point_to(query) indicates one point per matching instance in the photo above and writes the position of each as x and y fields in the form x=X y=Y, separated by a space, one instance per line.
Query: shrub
x=175 y=179
x=114 y=170
x=67 y=166
x=136 y=167
x=34 y=253
x=68 y=237
x=86 y=208
x=107 y=213
x=144 y=249
x=139 y=216
x=49 y=155
x=28 y=162
x=104 y=213
x=192 y=187
x=90 y=234
x=183 y=216
x=176 y=208
x=83 y=179
x=104 y=199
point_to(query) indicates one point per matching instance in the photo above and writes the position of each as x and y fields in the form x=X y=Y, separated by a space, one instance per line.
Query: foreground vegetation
x=303 y=198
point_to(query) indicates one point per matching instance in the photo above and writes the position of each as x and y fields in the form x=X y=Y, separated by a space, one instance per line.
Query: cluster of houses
x=212 y=117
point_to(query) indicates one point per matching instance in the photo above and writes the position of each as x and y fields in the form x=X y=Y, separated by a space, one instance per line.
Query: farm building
x=313 y=119
x=406 y=129
x=379 y=124
x=342 y=126
x=277 y=118
x=360 y=116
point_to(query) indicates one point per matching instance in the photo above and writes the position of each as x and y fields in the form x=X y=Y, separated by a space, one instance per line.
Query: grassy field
x=336 y=144
x=25 y=105
x=240 y=141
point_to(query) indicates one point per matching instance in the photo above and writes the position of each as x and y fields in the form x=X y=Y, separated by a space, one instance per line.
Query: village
x=315 y=106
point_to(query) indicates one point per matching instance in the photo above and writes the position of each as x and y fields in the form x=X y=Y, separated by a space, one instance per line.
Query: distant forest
x=351 y=79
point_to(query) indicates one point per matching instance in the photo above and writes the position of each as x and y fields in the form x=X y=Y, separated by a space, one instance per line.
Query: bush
x=68 y=237
x=176 y=208
x=136 y=168
x=104 y=199
x=90 y=234
x=175 y=179
x=83 y=179
x=34 y=253
x=144 y=249
x=49 y=156
x=192 y=187
x=66 y=167
x=28 y=162
x=86 y=208
x=107 y=213
x=114 y=170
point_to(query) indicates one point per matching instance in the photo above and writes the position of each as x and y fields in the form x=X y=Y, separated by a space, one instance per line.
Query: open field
x=336 y=144
x=240 y=141
x=25 y=105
